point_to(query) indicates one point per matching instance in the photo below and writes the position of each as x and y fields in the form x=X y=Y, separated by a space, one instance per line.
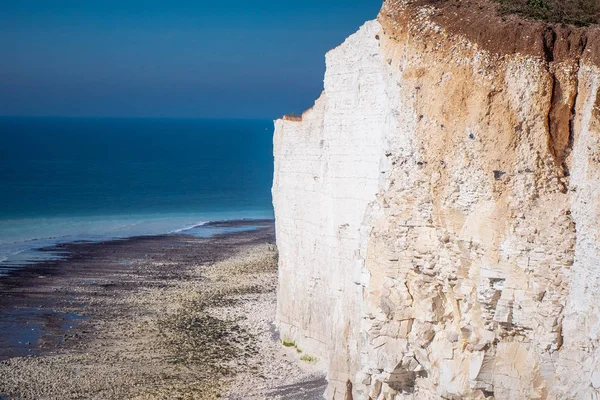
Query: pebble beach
x=157 y=317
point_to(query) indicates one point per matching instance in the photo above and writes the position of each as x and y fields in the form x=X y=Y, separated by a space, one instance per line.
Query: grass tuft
x=309 y=359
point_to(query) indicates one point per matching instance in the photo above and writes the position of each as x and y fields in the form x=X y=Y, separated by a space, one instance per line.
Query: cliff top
x=574 y=12
x=529 y=27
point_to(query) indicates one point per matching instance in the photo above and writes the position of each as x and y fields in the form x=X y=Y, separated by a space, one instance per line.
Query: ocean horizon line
x=91 y=117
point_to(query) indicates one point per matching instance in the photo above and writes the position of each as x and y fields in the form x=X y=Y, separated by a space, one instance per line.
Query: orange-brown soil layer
x=482 y=23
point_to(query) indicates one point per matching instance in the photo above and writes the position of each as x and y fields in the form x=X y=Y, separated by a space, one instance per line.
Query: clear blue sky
x=169 y=58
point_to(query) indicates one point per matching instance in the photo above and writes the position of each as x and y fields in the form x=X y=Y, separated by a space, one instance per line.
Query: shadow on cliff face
x=308 y=390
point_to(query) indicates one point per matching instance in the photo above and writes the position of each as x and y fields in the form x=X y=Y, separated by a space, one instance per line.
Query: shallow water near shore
x=18 y=253
x=21 y=329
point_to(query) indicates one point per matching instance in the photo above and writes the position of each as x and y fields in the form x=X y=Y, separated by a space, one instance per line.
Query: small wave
x=187 y=228
x=11 y=254
x=36 y=239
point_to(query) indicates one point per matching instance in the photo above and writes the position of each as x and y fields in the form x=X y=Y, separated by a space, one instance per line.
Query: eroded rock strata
x=438 y=209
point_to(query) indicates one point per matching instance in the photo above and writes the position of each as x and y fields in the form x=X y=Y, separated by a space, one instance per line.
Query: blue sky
x=170 y=58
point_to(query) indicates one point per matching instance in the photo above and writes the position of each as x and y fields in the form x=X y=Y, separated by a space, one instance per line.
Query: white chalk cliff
x=438 y=210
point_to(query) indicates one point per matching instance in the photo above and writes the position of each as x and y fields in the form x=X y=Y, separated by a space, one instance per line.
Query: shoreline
x=154 y=317
x=28 y=247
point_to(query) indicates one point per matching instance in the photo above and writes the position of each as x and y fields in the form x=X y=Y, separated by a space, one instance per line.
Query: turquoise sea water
x=68 y=179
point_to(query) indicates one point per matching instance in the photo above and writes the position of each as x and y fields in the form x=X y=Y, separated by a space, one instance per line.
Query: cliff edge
x=438 y=209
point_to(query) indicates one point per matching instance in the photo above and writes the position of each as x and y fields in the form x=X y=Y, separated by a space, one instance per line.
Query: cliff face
x=438 y=209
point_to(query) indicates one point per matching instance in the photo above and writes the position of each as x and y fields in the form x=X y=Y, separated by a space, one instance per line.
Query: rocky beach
x=157 y=317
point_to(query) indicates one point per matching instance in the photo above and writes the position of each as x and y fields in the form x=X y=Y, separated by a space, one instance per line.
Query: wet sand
x=161 y=317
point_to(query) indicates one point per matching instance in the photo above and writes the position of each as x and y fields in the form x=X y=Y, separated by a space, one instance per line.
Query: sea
x=91 y=179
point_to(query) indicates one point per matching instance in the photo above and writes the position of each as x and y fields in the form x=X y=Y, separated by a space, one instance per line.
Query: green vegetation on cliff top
x=575 y=12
